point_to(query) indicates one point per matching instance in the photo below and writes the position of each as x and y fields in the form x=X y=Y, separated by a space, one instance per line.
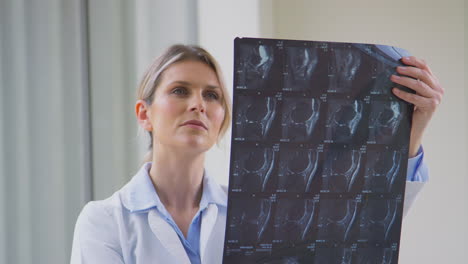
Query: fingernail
x=401 y=68
x=407 y=58
x=396 y=77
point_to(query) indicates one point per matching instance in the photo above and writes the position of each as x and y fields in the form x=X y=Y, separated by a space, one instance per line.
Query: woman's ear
x=142 y=115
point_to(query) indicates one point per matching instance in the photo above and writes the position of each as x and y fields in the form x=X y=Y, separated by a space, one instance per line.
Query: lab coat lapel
x=207 y=226
x=168 y=237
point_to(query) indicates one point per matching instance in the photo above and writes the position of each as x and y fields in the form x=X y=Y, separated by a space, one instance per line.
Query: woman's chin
x=195 y=143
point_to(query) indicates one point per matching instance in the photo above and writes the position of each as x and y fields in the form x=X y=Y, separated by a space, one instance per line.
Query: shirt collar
x=139 y=194
x=212 y=193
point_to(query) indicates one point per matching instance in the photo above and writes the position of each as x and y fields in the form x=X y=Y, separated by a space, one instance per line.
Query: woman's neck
x=178 y=179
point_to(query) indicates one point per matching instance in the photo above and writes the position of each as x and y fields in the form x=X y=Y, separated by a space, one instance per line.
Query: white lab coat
x=126 y=228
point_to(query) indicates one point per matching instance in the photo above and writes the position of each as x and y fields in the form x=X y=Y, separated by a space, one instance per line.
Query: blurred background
x=68 y=76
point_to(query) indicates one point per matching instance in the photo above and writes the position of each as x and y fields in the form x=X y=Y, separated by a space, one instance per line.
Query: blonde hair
x=174 y=54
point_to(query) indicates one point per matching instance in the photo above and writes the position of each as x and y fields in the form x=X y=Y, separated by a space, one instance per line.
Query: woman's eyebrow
x=211 y=87
x=181 y=82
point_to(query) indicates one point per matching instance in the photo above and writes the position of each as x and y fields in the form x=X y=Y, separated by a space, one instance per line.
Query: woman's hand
x=428 y=96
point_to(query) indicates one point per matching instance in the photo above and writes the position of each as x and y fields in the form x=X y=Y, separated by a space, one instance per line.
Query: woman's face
x=187 y=110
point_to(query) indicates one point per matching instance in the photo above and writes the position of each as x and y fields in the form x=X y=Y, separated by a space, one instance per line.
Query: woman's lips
x=195 y=124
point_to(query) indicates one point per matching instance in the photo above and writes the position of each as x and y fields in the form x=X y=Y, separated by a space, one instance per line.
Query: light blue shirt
x=417 y=170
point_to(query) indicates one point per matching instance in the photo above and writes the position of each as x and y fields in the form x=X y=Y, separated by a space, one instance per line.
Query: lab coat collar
x=210 y=217
x=168 y=237
x=139 y=194
x=212 y=193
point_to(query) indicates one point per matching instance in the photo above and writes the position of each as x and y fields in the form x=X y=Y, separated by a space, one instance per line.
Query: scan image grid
x=319 y=153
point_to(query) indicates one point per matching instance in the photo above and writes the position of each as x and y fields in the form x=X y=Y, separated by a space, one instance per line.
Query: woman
x=172 y=211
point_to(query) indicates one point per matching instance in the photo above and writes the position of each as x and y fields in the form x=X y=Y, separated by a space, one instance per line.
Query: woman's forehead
x=190 y=72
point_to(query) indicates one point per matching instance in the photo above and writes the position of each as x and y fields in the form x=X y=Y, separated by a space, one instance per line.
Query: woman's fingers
x=418 y=63
x=421 y=71
x=428 y=104
x=418 y=77
x=418 y=74
x=419 y=86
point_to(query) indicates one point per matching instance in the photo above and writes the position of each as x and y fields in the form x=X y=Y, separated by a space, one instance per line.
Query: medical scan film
x=319 y=153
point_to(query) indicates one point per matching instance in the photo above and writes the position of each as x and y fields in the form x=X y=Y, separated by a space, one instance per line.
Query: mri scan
x=334 y=255
x=294 y=219
x=250 y=223
x=341 y=170
x=344 y=67
x=319 y=153
x=299 y=118
x=378 y=217
x=382 y=170
x=374 y=255
x=385 y=119
x=253 y=169
x=382 y=84
x=337 y=219
x=256 y=66
x=255 y=116
x=344 y=121
x=305 y=69
x=297 y=170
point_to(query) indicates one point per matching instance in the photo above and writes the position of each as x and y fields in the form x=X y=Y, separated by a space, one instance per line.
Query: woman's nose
x=198 y=104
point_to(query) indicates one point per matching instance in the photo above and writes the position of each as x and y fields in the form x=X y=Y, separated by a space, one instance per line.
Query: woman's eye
x=212 y=95
x=180 y=91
